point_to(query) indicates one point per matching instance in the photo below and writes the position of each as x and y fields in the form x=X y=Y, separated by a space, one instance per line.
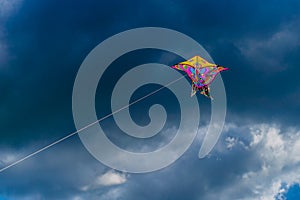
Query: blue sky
x=42 y=45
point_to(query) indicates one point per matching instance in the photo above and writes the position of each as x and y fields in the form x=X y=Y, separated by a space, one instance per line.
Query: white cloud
x=230 y=142
x=278 y=152
x=257 y=136
x=109 y=178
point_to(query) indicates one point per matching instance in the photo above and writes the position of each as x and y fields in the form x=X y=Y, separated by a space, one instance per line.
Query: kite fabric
x=201 y=72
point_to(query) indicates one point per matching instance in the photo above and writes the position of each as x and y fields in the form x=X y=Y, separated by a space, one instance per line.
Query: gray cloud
x=9 y=6
x=252 y=169
x=269 y=54
x=263 y=157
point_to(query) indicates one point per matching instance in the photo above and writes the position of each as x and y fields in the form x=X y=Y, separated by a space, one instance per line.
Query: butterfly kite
x=201 y=72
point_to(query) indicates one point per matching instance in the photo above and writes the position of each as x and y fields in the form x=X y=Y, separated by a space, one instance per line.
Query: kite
x=201 y=72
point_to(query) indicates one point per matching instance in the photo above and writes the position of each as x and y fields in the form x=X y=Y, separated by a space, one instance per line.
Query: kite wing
x=191 y=72
x=208 y=74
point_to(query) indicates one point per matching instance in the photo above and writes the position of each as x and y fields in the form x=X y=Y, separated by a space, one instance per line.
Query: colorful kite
x=201 y=72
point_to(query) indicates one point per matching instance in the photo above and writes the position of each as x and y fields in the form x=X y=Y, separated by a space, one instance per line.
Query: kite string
x=87 y=126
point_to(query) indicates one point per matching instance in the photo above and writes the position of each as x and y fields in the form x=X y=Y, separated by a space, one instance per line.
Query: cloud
x=250 y=161
x=6 y=158
x=256 y=160
x=110 y=178
x=269 y=53
x=8 y=6
x=112 y=194
x=289 y=191
x=278 y=152
x=260 y=158
x=58 y=173
x=231 y=141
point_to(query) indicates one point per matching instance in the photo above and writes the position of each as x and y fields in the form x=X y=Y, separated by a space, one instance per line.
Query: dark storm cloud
x=47 y=41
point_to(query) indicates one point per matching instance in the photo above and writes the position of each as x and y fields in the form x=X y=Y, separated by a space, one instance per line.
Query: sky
x=42 y=45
